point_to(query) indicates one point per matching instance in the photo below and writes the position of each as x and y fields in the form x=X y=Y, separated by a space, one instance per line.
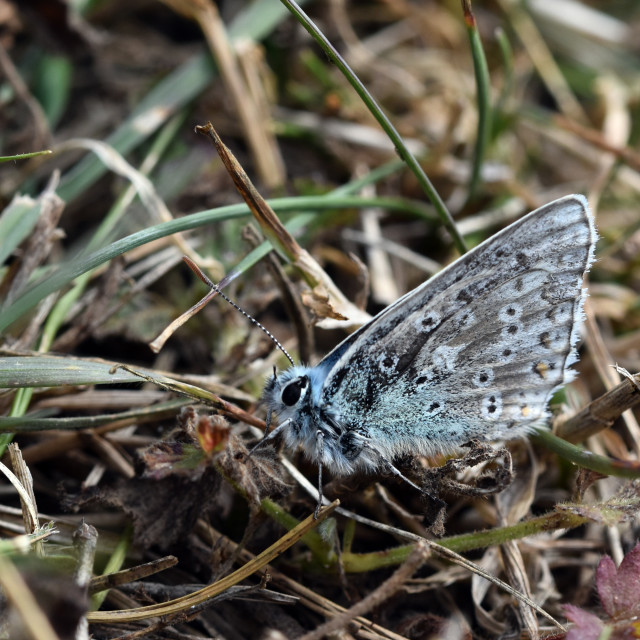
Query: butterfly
x=474 y=353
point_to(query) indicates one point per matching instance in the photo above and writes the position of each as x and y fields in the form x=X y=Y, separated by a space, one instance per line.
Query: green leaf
x=51 y=371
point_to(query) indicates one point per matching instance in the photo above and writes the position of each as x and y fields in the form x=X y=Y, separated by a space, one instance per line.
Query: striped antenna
x=216 y=290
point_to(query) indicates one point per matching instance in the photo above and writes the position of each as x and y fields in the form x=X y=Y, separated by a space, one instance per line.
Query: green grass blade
x=66 y=273
x=401 y=148
x=51 y=371
x=483 y=88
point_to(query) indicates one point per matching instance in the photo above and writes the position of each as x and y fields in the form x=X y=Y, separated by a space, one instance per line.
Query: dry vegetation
x=91 y=245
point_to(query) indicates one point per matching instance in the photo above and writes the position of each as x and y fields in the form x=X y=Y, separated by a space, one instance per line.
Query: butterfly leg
x=320 y=450
x=269 y=436
x=435 y=509
x=396 y=472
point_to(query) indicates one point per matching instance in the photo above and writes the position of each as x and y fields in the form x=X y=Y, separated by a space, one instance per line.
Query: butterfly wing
x=477 y=350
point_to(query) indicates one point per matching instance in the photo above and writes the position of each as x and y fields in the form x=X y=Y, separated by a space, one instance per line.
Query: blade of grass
x=53 y=371
x=26 y=156
x=186 y=602
x=114 y=564
x=382 y=119
x=33 y=422
x=483 y=85
x=586 y=459
x=64 y=274
x=566 y=517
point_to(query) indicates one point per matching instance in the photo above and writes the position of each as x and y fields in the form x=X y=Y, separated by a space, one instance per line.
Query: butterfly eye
x=292 y=392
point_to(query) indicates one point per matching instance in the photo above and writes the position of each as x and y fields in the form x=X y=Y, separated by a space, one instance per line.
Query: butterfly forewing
x=476 y=351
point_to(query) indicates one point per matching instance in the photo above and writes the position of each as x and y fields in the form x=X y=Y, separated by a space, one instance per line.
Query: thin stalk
x=582 y=458
x=382 y=119
x=481 y=72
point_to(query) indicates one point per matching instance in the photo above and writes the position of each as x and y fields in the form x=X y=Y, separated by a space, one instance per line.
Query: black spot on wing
x=428 y=323
x=464 y=296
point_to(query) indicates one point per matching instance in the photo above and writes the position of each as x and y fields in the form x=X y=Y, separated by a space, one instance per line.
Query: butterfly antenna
x=214 y=287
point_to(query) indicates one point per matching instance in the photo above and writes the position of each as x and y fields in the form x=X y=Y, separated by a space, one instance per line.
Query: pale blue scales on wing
x=473 y=353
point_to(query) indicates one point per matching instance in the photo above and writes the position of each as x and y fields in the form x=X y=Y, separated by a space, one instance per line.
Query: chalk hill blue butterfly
x=474 y=353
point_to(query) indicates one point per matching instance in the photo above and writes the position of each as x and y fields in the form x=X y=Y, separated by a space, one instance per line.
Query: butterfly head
x=294 y=397
x=288 y=393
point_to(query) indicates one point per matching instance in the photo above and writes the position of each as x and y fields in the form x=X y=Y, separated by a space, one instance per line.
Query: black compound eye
x=292 y=392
